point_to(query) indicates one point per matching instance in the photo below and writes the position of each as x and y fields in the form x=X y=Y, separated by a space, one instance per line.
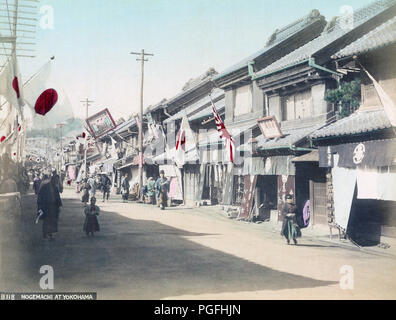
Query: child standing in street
x=91 y=223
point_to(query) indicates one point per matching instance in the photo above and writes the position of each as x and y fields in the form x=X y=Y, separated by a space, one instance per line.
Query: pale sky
x=92 y=39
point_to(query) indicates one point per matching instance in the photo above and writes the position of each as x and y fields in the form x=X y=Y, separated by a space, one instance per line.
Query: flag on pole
x=10 y=83
x=181 y=142
x=386 y=101
x=185 y=141
x=48 y=103
x=224 y=134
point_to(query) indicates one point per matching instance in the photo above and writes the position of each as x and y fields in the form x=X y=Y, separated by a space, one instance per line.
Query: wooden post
x=142 y=55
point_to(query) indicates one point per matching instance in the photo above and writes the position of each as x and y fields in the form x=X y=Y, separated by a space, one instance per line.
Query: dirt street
x=142 y=252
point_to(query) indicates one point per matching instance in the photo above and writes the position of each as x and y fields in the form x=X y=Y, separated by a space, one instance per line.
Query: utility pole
x=142 y=59
x=60 y=125
x=87 y=104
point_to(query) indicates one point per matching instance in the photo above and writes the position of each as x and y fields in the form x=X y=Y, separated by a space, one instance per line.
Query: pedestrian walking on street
x=91 y=223
x=85 y=192
x=151 y=190
x=49 y=203
x=290 y=228
x=162 y=187
x=106 y=185
x=92 y=184
x=125 y=188
x=36 y=184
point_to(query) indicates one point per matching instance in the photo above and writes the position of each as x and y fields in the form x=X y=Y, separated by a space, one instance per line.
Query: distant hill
x=72 y=127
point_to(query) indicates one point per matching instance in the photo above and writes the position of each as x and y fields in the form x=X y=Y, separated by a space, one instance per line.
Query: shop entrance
x=265 y=197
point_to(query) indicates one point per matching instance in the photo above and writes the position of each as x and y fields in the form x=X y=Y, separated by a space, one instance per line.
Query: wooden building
x=245 y=102
x=359 y=151
x=295 y=89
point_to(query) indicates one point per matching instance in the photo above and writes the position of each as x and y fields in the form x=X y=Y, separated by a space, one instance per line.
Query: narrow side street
x=145 y=253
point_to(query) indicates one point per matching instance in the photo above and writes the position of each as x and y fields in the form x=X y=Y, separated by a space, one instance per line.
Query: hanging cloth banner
x=376 y=153
x=373 y=184
x=344 y=182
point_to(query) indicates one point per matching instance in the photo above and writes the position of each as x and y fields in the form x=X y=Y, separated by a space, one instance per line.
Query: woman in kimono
x=151 y=190
x=85 y=192
x=162 y=187
x=290 y=228
x=91 y=223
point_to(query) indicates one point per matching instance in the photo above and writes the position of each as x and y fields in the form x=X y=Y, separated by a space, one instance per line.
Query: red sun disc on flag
x=181 y=141
x=46 y=101
x=2 y=138
x=15 y=85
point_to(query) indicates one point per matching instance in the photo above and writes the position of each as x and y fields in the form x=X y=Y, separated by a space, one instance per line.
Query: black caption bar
x=48 y=296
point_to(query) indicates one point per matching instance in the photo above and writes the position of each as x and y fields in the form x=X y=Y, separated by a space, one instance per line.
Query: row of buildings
x=289 y=138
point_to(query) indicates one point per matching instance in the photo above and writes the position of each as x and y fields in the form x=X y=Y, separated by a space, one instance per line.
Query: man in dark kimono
x=49 y=202
x=290 y=228
x=106 y=185
x=36 y=184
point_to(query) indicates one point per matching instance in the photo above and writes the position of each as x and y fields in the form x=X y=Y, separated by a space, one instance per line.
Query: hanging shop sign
x=269 y=127
x=101 y=123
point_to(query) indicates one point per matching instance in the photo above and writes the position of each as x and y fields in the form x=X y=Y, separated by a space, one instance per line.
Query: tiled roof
x=277 y=37
x=220 y=108
x=196 y=107
x=291 y=138
x=124 y=126
x=193 y=84
x=358 y=122
x=328 y=36
x=381 y=36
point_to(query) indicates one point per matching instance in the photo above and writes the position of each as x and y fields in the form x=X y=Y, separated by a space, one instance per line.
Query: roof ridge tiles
x=360 y=16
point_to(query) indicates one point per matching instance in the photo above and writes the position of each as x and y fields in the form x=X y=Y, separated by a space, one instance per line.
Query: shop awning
x=129 y=161
x=277 y=165
x=375 y=153
x=312 y=156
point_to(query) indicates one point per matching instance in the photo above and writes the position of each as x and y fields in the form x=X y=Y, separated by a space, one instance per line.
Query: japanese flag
x=11 y=82
x=185 y=141
x=48 y=104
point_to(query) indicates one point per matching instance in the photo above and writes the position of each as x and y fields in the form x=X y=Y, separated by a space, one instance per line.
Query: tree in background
x=346 y=97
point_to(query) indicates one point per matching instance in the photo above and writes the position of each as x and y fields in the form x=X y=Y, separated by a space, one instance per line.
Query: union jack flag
x=224 y=134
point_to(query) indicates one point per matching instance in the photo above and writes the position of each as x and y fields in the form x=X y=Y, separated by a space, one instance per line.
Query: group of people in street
x=49 y=186
x=13 y=177
x=156 y=191
x=48 y=190
x=89 y=186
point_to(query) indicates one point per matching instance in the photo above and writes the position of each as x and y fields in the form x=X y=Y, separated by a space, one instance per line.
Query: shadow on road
x=137 y=259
